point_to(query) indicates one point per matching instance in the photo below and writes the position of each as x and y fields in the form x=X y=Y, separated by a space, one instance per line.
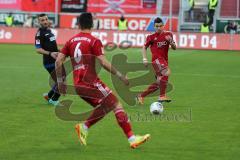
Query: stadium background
x=139 y=13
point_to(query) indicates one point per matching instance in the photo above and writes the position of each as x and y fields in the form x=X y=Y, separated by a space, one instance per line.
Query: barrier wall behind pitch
x=135 y=38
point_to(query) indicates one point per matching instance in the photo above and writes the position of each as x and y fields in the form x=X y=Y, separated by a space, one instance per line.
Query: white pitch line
x=207 y=75
x=18 y=67
x=184 y=74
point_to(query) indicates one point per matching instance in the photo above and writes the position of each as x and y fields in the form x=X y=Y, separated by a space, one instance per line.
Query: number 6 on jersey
x=77 y=53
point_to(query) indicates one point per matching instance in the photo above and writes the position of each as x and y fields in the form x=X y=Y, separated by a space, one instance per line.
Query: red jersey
x=159 y=45
x=83 y=49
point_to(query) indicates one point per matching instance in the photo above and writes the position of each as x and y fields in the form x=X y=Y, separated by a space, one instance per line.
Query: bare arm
x=144 y=55
x=171 y=42
x=59 y=66
x=173 y=45
x=110 y=68
x=106 y=65
x=59 y=73
x=44 y=52
x=144 y=52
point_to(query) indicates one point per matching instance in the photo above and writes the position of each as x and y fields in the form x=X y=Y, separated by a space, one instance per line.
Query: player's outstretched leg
x=97 y=114
x=82 y=128
x=152 y=88
x=109 y=104
x=124 y=123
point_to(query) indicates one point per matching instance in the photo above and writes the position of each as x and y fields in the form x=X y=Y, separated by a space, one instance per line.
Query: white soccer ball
x=156 y=108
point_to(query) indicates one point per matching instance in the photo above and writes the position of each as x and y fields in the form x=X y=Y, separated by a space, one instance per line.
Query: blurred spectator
x=205 y=28
x=95 y=21
x=51 y=27
x=190 y=11
x=28 y=22
x=212 y=4
x=75 y=23
x=231 y=27
x=122 y=24
x=9 y=20
x=50 y=24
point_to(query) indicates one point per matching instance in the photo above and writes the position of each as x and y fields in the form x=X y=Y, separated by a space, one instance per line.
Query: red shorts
x=159 y=65
x=96 y=94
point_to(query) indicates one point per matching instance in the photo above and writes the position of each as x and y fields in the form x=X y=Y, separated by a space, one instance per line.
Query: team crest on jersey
x=160 y=44
x=52 y=38
x=37 y=41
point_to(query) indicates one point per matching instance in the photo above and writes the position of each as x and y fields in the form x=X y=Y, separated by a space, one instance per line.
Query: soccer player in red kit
x=159 y=44
x=84 y=49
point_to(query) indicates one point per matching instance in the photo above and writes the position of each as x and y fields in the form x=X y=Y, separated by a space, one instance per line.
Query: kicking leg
x=124 y=123
x=152 y=88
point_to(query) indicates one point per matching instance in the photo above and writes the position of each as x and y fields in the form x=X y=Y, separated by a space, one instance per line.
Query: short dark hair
x=42 y=15
x=85 y=20
x=158 y=20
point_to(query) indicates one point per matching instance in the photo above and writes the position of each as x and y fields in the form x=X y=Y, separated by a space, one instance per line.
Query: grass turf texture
x=205 y=82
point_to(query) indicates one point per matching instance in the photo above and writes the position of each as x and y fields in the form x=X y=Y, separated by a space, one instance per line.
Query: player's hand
x=54 y=54
x=171 y=42
x=145 y=62
x=123 y=78
x=62 y=88
x=169 y=39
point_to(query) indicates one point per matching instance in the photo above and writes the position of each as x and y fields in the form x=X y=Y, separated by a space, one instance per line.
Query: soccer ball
x=156 y=108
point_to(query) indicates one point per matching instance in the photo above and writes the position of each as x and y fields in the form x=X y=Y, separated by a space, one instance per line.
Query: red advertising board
x=10 y=4
x=110 y=22
x=120 y=6
x=183 y=40
x=39 y=5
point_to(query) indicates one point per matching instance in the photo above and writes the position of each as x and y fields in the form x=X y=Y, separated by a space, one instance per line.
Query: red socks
x=155 y=86
x=163 y=85
x=152 y=88
x=123 y=122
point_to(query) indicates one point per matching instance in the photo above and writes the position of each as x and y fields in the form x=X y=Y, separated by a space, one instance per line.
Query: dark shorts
x=49 y=67
x=51 y=70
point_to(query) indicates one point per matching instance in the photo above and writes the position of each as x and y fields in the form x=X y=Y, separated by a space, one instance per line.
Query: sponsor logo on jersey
x=160 y=44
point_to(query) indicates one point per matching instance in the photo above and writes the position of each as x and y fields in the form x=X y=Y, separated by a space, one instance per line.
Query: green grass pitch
x=206 y=96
